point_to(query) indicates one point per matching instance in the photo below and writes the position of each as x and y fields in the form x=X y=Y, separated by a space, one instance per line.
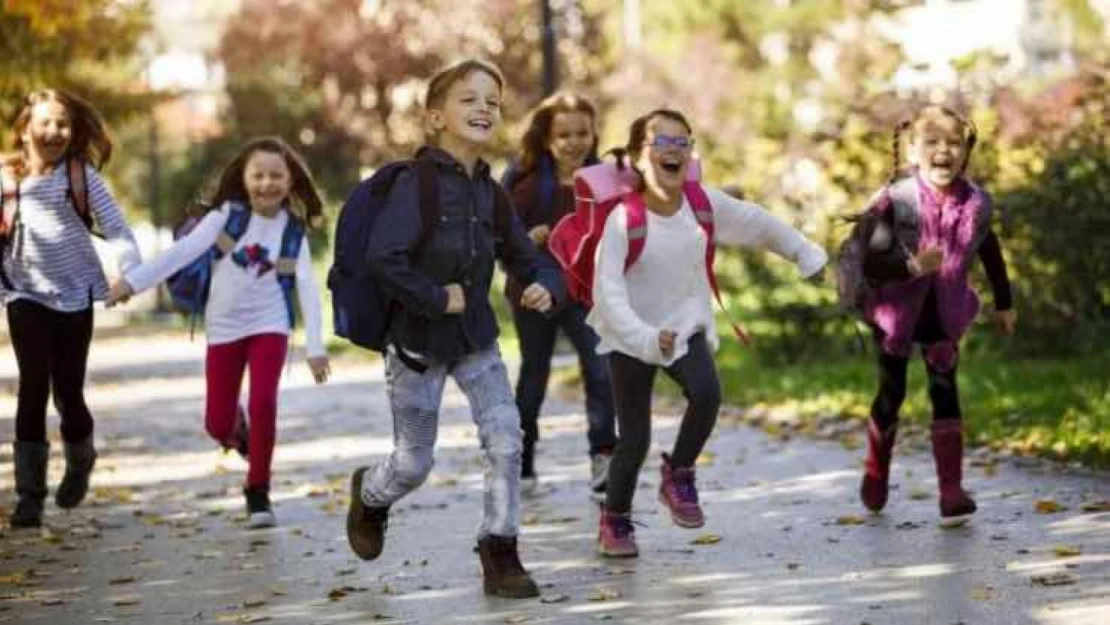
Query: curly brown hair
x=89 y=140
x=306 y=203
x=534 y=142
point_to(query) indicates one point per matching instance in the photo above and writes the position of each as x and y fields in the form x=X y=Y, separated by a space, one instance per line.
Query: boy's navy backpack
x=361 y=309
x=189 y=287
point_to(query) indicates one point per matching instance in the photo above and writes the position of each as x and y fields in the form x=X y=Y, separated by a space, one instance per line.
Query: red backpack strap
x=9 y=192
x=635 y=213
x=703 y=212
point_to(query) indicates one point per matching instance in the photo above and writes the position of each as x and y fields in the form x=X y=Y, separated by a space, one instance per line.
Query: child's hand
x=666 y=342
x=536 y=297
x=1006 y=320
x=539 y=235
x=321 y=369
x=456 y=299
x=926 y=261
x=119 y=293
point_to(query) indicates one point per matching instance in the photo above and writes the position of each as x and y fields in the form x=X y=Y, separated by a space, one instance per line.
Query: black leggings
x=52 y=350
x=892 y=391
x=632 y=381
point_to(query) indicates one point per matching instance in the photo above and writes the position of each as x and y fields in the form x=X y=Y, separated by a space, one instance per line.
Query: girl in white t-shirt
x=250 y=313
x=658 y=314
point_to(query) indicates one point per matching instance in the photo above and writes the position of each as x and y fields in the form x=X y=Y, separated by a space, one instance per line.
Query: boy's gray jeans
x=415 y=399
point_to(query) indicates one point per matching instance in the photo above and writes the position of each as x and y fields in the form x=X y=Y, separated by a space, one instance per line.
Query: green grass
x=1052 y=407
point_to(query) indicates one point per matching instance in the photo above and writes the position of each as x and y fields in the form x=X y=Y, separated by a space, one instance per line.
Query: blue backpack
x=360 y=307
x=189 y=287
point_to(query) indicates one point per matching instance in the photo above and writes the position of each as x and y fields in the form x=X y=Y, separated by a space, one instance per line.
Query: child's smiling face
x=48 y=132
x=471 y=109
x=571 y=137
x=267 y=180
x=665 y=154
x=938 y=148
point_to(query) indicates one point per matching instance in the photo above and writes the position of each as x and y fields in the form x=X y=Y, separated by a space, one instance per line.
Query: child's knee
x=412 y=467
x=706 y=398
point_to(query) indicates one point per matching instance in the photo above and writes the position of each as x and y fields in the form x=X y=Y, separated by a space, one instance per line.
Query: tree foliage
x=87 y=46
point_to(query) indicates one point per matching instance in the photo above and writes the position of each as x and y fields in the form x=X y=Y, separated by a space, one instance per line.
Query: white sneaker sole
x=259 y=520
x=954 y=521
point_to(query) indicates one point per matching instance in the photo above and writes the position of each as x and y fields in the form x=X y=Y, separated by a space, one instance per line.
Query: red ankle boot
x=948 y=452
x=874 y=488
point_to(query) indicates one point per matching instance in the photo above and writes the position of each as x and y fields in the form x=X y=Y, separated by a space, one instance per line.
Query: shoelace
x=623 y=526
x=685 y=489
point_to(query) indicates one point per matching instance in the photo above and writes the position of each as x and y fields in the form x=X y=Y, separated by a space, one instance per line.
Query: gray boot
x=30 y=482
x=80 y=458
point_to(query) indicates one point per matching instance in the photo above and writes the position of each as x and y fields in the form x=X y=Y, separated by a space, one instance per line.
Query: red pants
x=224 y=366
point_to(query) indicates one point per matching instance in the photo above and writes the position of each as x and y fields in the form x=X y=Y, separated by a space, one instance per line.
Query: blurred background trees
x=793 y=102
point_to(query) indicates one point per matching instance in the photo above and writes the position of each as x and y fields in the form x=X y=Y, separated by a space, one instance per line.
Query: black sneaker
x=259 y=511
x=366 y=525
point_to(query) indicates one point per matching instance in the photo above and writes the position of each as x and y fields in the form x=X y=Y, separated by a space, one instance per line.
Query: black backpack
x=361 y=308
x=870 y=231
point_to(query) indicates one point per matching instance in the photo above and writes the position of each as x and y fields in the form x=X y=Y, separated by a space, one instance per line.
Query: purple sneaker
x=616 y=538
x=678 y=492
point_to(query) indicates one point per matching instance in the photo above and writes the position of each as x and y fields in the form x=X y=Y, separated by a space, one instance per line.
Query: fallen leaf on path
x=554 y=598
x=254 y=603
x=1066 y=551
x=706 y=539
x=1048 y=506
x=1096 y=506
x=52 y=602
x=983 y=593
x=604 y=594
x=121 y=580
x=1054 y=579
x=519 y=618
x=920 y=494
x=126 y=601
x=850 y=519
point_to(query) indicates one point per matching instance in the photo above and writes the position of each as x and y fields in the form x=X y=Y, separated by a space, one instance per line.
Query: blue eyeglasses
x=665 y=141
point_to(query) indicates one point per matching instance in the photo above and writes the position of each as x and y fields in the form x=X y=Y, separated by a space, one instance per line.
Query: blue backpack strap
x=238 y=218
x=286 y=267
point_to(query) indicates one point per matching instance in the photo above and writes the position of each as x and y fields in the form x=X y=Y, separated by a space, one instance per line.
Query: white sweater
x=242 y=301
x=667 y=288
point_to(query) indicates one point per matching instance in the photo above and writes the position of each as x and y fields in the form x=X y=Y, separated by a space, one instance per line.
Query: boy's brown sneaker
x=366 y=525
x=503 y=574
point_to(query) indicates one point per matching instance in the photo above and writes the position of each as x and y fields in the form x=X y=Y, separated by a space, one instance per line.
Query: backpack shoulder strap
x=428 y=191
x=9 y=200
x=79 y=190
x=703 y=212
x=635 y=213
x=291 y=238
x=238 y=218
x=286 y=266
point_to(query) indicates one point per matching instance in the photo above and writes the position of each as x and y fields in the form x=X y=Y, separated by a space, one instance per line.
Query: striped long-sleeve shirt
x=50 y=259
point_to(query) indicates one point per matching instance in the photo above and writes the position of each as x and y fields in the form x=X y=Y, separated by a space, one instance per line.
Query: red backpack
x=597 y=190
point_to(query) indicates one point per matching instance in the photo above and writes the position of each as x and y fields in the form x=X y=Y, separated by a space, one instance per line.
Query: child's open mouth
x=481 y=124
x=671 y=165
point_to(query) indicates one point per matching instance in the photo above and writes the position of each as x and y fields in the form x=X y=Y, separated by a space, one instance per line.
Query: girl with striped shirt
x=50 y=276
